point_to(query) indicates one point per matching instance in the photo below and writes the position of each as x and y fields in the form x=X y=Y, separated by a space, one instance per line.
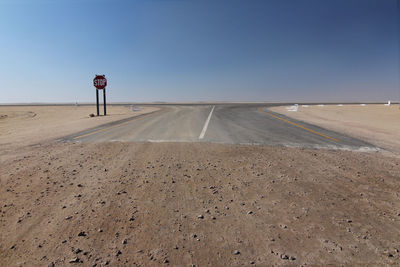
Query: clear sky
x=199 y=50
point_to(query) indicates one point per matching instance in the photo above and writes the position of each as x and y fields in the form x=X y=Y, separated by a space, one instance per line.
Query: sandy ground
x=192 y=204
x=378 y=124
x=27 y=125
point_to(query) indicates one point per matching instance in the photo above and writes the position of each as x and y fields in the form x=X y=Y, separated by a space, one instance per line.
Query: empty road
x=233 y=124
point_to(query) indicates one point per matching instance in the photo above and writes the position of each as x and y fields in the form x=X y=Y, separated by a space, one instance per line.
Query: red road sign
x=100 y=81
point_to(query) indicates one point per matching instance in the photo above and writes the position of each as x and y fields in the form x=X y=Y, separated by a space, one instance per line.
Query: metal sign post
x=104 y=101
x=97 y=102
x=100 y=82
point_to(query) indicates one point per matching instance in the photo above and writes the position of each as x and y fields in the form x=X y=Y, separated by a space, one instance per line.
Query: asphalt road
x=234 y=124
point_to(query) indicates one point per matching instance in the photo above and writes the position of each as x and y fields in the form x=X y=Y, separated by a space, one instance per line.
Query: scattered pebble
x=236 y=252
x=82 y=233
x=284 y=257
x=75 y=260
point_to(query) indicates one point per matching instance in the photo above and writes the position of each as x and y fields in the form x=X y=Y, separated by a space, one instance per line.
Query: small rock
x=100 y=230
x=79 y=185
x=349 y=221
x=200 y=216
x=250 y=212
x=284 y=257
x=236 y=252
x=292 y=258
x=252 y=262
x=68 y=217
x=124 y=241
x=213 y=217
x=78 y=250
x=118 y=253
x=82 y=233
x=166 y=261
x=75 y=260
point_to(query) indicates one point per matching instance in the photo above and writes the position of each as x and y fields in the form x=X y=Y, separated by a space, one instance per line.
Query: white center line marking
x=203 y=132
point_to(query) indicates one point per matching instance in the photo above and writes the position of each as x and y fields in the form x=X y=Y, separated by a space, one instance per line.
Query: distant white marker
x=293 y=108
x=203 y=132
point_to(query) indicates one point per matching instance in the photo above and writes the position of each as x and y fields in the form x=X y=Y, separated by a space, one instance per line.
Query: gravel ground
x=191 y=204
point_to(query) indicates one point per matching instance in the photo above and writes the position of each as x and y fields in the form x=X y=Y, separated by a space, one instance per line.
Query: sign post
x=100 y=82
x=97 y=102
x=104 y=101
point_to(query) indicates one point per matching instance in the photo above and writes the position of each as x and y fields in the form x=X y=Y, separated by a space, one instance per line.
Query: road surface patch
x=298 y=125
x=116 y=125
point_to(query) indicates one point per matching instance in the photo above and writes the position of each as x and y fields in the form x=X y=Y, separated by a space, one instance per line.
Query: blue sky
x=187 y=50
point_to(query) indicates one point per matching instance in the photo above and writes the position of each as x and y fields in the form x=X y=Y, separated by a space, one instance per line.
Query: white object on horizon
x=321 y=105
x=388 y=103
x=294 y=108
x=362 y=105
x=133 y=107
x=340 y=105
x=304 y=106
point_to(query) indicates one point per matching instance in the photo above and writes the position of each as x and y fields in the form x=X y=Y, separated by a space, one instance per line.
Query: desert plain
x=196 y=204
